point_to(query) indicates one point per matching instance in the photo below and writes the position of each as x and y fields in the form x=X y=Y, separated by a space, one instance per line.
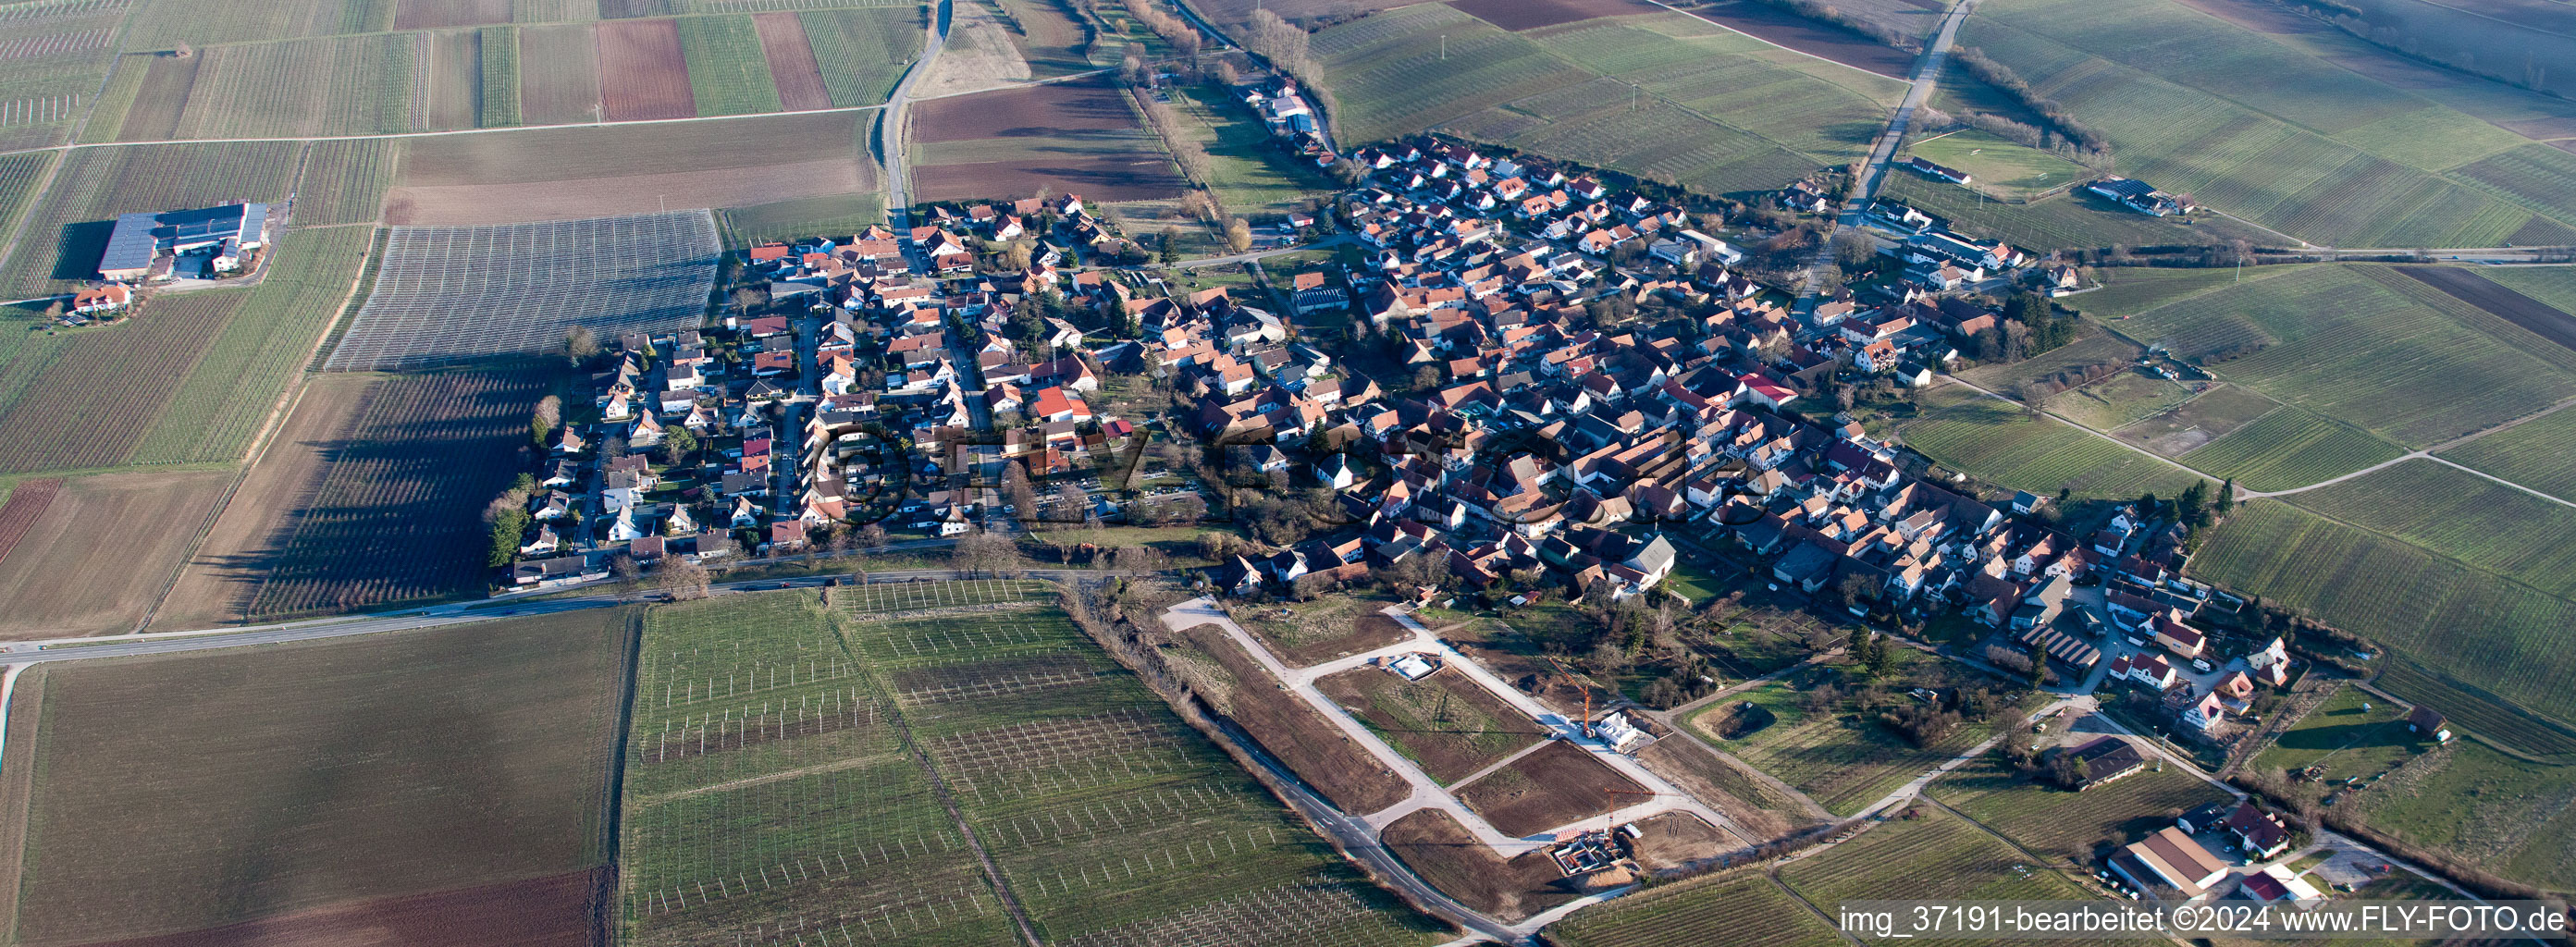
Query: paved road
x=1927 y=73
x=893 y=129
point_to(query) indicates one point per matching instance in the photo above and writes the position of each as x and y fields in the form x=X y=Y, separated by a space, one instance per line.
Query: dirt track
x=2470 y=287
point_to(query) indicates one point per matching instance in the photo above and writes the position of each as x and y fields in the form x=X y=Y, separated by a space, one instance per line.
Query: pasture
x=590 y=171
x=1446 y=723
x=2351 y=733
x=728 y=66
x=59 y=244
x=2504 y=815
x=2463 y=517
x=123 y=534
x=2539 y=453
x=1108 y=818
x=1932 y=856
x=2289 y=447
x=446 y=784
x=2503 y=636
x=1251 y=175
x=444 y=294
x=2066 y=824
x=1739 y=907
x=2258 y=127
x=1998 y=167
x=2002 y=443
x=395 y=515
x=1078 y=137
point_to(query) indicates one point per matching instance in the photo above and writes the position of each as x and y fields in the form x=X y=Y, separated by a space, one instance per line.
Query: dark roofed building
x=142 y=238
x=2106 y=759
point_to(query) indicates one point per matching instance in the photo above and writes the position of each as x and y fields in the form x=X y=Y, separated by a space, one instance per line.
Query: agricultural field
x=444 y=294
x=1077 y=137
x=1827 y=41
x=1239 y=687
x=592 y=171
x=162 y=24
x=230 y=392
x=1846 y=765
x=559 y=74
x=218 y=585
x=643 y=72
x=2503 y=636
x=1933 y=855
x=2129 y=290
x=53 y=60
x=868 y=48
x=2066 y=824
x=2204 y=418
x=2539 y=453
x=1394 y=78
x=445 y=785
x=2063 y=221
x=396 y=514
x=2001 y=443
x=497 y=77
x=2508 y=816
x=1448 y=724
x=451 y=74
x=1998 y=167
x=728 y=68
x=1063 y=766
x=339 y=85
x=18 y=176
x=834 y=216
x=123 y=534
x=2257 y=127
x=345 y=181
x=59 y=244
x=1740 y=907
x=2477 y=711
x=1051 y=37
x=796 y=76
x=2552 y=285
x=85 y=398
x=2350 y=734
x=2463 y=517
x=1760 y=809
x=2288 y=448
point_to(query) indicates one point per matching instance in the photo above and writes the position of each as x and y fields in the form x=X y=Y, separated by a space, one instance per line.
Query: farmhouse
x=145 y=244
x=1937 y=172
x=2169 y=859
x=2106 y=759
x=2137 y=195
x=108 y=298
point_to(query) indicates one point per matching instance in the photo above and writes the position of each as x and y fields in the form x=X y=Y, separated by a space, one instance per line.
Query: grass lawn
x=1253 y=176
x=2344 y=738
x=2068 y=824
x=1304 y=633
x=1694 y=583
x=1932 y=855
x=1998 y=167
x=2511 y=817
x=1838 y=754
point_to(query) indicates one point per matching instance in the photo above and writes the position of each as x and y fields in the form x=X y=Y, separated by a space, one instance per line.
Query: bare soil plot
x=155 y=113
x=2542 y=319
x=791 y=61
x=437 y=14
x=445 y=294
x=1446 y=722
x=1294 y=731
x=1304 y=634
x=102 y=551
x=18 y=786
x=642 y=73
x=27 y=501
x=1674 y=839
x=1073 y=137
x=574 y=173
x=1558 y=784
x=1815 y=38
x=455 y=72
x=1752 y=803
x=375 y=790
x=558 y=74
x=2215 y=412
x=1519 y=15
x=1444 y=853
x=1035 y=111
x=220 y=580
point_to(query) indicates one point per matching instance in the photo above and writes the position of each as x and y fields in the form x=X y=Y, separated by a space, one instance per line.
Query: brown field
x=642 y=73
x=1309 y=633
x=1558 y=784
x=1812 y=37
x=397 y=515
x=27 y=502
x=154 y=116
x=455 y=80
x=1697 y=770
x=103 y=552
x=1311 y=14
x=1071 y=137
x=94 y=403
x=437 y=786
x=2541 y=318
x=1037 y=111
x=218 y=583
x=437 y=14
x=18 y=786
x=1478 y=731
x=1137 y=177
x=1674 y=839
x=1436 y=847
x=558 y=74
x=1531 y=14
x=791 y=61
x=571 y=173
x=1297 y=734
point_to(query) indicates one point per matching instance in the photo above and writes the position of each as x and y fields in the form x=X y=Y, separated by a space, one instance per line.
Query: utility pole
x=1444 y=47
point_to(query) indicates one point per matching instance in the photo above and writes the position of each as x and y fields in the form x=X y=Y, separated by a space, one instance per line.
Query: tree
x=541 y=423
x=869 y=536
x=1072 y=504
x=580 y=346
x=629 y=574
x=682 y=578
x=2193 y=508
x=986 y=553
x=678 y=446
x=2227 y=496
x=1879 y=659
x=1238 y=235
x=2068 y=770
x=1131 y=70
x=506 y=530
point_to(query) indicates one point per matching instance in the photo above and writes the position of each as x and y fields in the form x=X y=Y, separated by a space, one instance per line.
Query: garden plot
x=444 y=294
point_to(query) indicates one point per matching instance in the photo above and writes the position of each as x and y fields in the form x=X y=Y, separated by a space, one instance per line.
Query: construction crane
x=1587 y=692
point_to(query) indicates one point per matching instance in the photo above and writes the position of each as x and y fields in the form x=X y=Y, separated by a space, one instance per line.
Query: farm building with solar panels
x=148 y=245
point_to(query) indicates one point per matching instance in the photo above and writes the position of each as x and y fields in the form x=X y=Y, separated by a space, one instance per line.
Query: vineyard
x=107 y=386
x=868 y=49
x=340 y=85
x=499 y=74
x=2001 y=444
x=396 y=517
x=1741 y=908
x=229 y=394
x=1395 y=77
x=27 y=500
x=1932 y=856
x=2064 y=823
x=344 y=181
x=2504 y=636
x=2463 y=517
x=2505 y=815
x=18 y=176
x=1845 y=766
x=59 y=245
x=728 y=72
x=2288 y=448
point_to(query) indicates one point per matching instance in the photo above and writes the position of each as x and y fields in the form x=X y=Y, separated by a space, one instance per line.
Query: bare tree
x=682 y=578
x=630 y=576
x=984 y=552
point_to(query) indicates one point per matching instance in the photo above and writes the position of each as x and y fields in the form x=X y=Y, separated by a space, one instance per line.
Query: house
x=2206 y=713
x=108 y=298
x=1936 y=172
x=2428 y=723
x=2136 y=195
x=2148 y=669
x=2169 y=859
x=2183 y=640
x=2278 y=883
x=2106 y=758
x=2261 y=834
x=557 y=571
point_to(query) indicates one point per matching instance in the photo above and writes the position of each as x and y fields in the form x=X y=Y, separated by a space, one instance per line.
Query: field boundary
x=611 y=885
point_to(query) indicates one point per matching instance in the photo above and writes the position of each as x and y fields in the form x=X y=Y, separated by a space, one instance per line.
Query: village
x=1508 y=384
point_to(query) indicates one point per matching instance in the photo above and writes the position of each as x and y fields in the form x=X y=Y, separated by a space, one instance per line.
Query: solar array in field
x=446 y=294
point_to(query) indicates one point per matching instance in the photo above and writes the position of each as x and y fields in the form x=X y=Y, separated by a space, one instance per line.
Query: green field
x=1934 y=856
x=2539 y=453
x=2257 y=127
x=2476 y=710
x=339 y=85
x=228 y=395
x=728 y=72
x=2345 y=738
x=2067 y=824
x=1252 y=174
x=2511 y=817
x=2505 y=636
x=2002 y=444
x=1737 y=908
x=59 y=244
x=836 y=216
x=864 y=52
x=2555 y=285
x=344 y=181
x=2064 y=221
x=162 y=24
x=2129 y=290
x=1392 y=79
x=1836 y=755
x=1998 y=167
x=2461 y=516
x=261 y=782
x=498 y=93
x=1106 y=815
x=2287 y=448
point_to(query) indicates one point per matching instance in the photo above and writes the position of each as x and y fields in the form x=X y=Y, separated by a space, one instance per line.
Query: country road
x=1927 y=73
x=893 y=125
